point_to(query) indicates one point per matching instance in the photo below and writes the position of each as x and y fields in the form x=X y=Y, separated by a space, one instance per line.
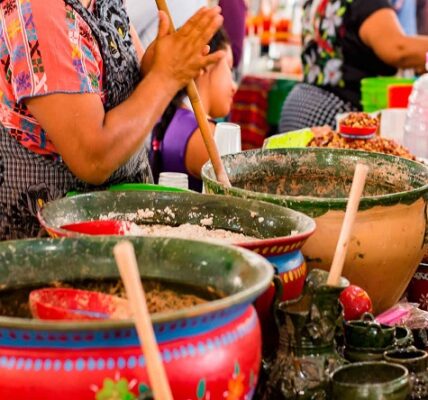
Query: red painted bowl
x=210 y=351
x=357 y=133
x=282 y=231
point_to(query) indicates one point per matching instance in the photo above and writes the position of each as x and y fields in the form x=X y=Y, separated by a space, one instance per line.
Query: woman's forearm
x=93 y=143
x=410 y=52
x=383 y=34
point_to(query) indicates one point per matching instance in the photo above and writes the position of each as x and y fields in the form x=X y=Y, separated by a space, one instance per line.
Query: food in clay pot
x=212 y=346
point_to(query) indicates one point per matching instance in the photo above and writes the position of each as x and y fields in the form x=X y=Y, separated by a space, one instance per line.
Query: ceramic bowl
x=281 y=232
x=370 y=380
x=211 y=349
x=415 y=360
x=390 y=233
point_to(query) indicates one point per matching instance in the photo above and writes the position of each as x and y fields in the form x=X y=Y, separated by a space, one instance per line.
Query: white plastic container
x=228 y=138
x=174 y=179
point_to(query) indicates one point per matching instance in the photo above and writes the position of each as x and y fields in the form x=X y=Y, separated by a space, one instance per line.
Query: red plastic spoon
x=76 y=304
x=103 y=227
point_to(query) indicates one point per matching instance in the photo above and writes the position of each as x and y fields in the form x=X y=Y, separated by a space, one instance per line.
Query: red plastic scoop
x=103 y=227
x=76 y=304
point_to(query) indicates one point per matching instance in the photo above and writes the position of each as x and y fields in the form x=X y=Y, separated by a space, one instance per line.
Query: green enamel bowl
x=371 y=381
x=390 y=233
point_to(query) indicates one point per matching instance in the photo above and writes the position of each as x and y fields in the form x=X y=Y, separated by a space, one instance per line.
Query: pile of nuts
x=377 y=144
x=359 y=120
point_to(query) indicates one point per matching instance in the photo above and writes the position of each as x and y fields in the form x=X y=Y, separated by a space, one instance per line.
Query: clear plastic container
x=174 y=179
x=416 y=125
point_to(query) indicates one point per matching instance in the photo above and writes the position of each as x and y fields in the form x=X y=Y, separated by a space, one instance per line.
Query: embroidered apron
x=27 y=179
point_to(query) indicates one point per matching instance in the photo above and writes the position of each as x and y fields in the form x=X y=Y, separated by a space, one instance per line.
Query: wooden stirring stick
x=200 y=115
x=357 y=187
x=127 y=263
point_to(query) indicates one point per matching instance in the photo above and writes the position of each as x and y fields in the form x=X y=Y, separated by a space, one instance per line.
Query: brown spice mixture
x=376 y=144
x=160 y=296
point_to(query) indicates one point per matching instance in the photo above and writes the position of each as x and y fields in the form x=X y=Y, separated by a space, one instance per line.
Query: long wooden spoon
x=357 y=188
x=201 y=116
x=127 y=263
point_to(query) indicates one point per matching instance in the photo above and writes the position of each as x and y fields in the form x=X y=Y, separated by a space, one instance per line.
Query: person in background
x=406 y=12
x=177 y=144
x=345 y=41
x=234 y=13
x=79 y=96
x=144 y=15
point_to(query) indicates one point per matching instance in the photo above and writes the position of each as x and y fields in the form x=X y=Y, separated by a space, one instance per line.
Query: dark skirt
x=308 y=106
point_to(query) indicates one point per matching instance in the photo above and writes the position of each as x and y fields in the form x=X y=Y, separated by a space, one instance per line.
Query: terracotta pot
x=209 y=350
x=283 y=231
x=370 y=380
x=390 y=233
x=417 y=292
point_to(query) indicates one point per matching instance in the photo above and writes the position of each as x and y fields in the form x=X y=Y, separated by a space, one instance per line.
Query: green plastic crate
x=374 y=91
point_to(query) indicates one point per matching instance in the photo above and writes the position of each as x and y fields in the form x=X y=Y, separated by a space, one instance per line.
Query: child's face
x=222 y=86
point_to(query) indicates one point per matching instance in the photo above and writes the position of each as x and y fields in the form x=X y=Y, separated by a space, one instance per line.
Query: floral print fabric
x=334 y=56
x=27 y=34
x=322 y=29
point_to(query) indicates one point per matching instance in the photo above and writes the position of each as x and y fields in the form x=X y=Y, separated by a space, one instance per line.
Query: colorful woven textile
x=45 y=47
x=249 y=110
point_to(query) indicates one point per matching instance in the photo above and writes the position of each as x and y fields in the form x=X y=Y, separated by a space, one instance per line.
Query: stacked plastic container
x=374 y=91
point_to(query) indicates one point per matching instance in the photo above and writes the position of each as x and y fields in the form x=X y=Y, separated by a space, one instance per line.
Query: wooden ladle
x=200 y=115
x=357 y=188
x=127 y=263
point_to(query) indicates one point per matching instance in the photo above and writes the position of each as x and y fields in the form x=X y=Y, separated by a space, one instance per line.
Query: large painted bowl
x=390 y=233
x=210 y=350
x=282 y=232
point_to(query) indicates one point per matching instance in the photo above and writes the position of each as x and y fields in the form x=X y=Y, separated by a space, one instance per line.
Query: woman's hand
x=180 y=56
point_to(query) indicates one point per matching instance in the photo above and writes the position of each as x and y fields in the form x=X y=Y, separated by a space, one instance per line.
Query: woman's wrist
x=165 y=82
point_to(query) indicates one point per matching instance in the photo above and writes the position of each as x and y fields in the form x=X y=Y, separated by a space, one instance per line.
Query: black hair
x=219 y=41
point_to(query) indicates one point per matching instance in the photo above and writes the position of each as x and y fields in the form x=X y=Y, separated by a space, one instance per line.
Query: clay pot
x=389 y=236
x=417 y=292
x=370 y=380
x=209 y=350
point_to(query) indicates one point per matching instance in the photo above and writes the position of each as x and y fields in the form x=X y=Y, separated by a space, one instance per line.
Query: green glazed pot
x=252 y=218
x=415 y=360
x=370 y=381
x=368 y=334
x=390 y=232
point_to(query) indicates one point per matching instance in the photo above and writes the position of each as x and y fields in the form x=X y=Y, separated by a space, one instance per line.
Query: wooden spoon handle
x=357 y=188
x=127 y=263
x=200 y=115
